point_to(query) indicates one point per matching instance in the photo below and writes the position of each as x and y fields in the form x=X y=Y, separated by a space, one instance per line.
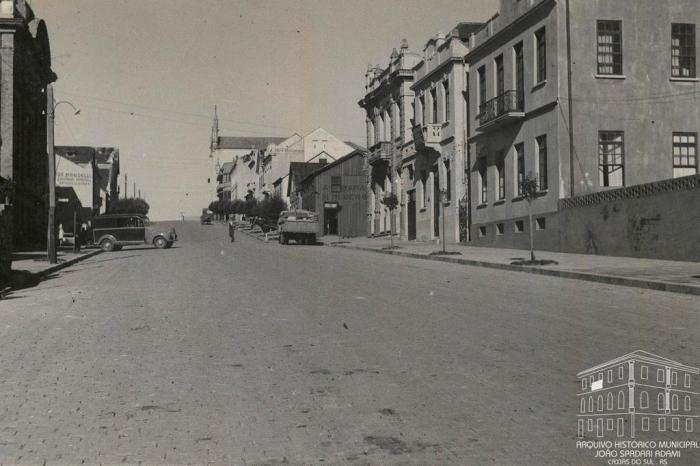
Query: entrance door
x=411 y=215
x=330 y=220
x=436 y=201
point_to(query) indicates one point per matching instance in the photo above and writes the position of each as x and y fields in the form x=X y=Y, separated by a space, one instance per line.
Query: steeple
x=214 y=139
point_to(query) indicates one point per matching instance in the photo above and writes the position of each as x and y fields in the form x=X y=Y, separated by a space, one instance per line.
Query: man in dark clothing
x=231 y=229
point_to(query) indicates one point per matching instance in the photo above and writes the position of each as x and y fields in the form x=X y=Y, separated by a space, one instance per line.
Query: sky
x=146 y=75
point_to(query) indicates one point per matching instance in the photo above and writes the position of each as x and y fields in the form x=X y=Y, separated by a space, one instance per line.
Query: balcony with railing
x=427 y=136
x=381 y=151
x=505 y=108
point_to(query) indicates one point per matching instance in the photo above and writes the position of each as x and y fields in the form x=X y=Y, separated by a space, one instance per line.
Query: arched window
x=611 y=401
x=661 y=401
x=644 y=400
x=590 y=404
x=621 y=400
x=686 y=404
x=583 y=405
x=600 y=403
x=674 y=402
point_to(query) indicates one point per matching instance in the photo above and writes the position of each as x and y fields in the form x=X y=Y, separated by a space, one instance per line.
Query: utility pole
x=51 y=231
x=126 y=185
x=134 y=192
x=139 y=194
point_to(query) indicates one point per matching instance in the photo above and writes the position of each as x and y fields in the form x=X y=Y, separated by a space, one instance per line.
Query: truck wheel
x=107 y=245
x=160 y=242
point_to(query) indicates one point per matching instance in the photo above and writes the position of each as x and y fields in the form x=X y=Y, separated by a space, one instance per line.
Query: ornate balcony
x=505 y=108
x=427 y=136
x=381 y=151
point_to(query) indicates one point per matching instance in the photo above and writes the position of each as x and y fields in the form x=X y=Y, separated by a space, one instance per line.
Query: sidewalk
x=36 y=262
x=673 y=276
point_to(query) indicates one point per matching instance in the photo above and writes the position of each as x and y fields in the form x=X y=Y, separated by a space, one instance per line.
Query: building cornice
x=429 y=75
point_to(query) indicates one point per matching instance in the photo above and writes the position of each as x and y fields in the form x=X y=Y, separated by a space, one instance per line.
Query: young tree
x=129 y=205
x=391 y=202
x=529 y=189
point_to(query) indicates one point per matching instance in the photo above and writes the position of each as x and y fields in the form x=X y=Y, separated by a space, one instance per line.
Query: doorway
x=411 y=215
x=330 y=220
x=436 y=201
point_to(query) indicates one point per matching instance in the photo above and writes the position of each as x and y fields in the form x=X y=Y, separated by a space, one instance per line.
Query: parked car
x=298 y=225
x=206 y=217
x=112 y=231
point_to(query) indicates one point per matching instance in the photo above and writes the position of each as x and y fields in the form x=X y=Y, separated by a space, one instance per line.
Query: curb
x=607 y=279
x=67 y=263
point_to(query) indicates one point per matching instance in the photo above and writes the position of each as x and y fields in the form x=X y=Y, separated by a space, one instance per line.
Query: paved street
x=256 y=353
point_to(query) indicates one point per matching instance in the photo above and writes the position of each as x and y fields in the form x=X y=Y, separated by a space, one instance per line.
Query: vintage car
x=206 y=217
x=112 y=231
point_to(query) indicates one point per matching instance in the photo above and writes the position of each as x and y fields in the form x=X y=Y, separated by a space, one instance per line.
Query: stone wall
x=655 y=220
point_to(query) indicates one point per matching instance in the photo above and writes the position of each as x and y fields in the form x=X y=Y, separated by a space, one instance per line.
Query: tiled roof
x=228 y=142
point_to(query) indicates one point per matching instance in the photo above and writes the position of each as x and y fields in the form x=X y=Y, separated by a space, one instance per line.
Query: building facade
x=564 y=93
x=338 y=193
x=388 y=105
x=26 y=71
x=636 y=393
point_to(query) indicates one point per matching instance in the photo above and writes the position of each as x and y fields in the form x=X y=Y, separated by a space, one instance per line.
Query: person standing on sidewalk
x=231 y=229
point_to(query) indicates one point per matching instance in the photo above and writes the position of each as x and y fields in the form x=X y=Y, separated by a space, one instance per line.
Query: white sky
x=147 y=73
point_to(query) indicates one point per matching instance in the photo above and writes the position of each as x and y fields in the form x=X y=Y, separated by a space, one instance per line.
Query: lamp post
x=51 y=116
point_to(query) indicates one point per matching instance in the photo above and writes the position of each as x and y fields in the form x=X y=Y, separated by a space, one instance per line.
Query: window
x=620 y=372
x=674 y=402
x=590 y=404
x=683 y=50
x=611 y=151
x=520 y=167
x=482 y=231
x=434 y=102
x=643 y=400
x=661 y=401
x=687 y=381
x=611 y=401
x=645 y=424
x=610 y=424
x=689 y=424
x=674 y=378
x=519 y=228
x=610 y=47
x=500 y=168
x=542 y=162
x=583 y=405
x=482 y=85
x=584 y=384
x=685 y=150
x=659 y=375
x=518 y=71
x=446 y=94
x=541 y=224
x=540 y=56
x=645 y=372
x=610 y=378
x=686 y=403
x=500 y=85
x=424 y=186
x=421 y=101
x=662 y=424
x=336 y=183
x=621 y=400
x=675 y=424
x=499 y=229
x=599 y=403
x=483 y=183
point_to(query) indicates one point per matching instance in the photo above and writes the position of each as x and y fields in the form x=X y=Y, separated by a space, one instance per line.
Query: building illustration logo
x=636 y=393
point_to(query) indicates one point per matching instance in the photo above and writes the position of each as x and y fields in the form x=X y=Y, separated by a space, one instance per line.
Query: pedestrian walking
x=231 y=229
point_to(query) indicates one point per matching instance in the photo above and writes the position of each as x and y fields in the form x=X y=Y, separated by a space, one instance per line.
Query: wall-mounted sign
x=330 y=205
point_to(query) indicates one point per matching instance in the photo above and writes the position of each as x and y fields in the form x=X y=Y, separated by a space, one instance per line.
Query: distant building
x=635 y=393
x=632 y=118
x=317 y=146
x=107 y=161
x=338 y=193
x=298 y=171
x=26 y=71
x=78 y=167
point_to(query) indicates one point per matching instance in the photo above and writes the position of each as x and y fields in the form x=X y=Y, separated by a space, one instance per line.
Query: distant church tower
x=214 y=161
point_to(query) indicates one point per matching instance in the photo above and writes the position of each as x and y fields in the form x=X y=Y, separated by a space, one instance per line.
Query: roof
x=642 y=356
x=76 y=154
x=464 y=30
x=226 y=167
x=355 y=146
x=298 y=171
x=253 y=142
x=328 y=166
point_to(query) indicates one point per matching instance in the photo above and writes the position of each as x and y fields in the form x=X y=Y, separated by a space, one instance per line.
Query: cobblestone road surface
x=256 y=353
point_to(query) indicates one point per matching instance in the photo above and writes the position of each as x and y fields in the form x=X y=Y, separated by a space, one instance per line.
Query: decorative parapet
x=632 y=192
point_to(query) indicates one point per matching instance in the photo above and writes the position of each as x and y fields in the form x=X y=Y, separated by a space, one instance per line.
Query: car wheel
x=160 y=242
x=107 y=245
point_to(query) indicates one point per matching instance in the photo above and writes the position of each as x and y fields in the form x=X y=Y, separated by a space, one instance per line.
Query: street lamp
x=50 y=121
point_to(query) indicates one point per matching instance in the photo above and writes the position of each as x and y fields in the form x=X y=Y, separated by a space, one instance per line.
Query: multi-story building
x=388 y=104
x=246 y=154
x=92 y=172
x=636 y=393
x=565 y=93
x=224 y=190
x=107 y=161
x=436 y=175
x=26 y=72
x=317 y=146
